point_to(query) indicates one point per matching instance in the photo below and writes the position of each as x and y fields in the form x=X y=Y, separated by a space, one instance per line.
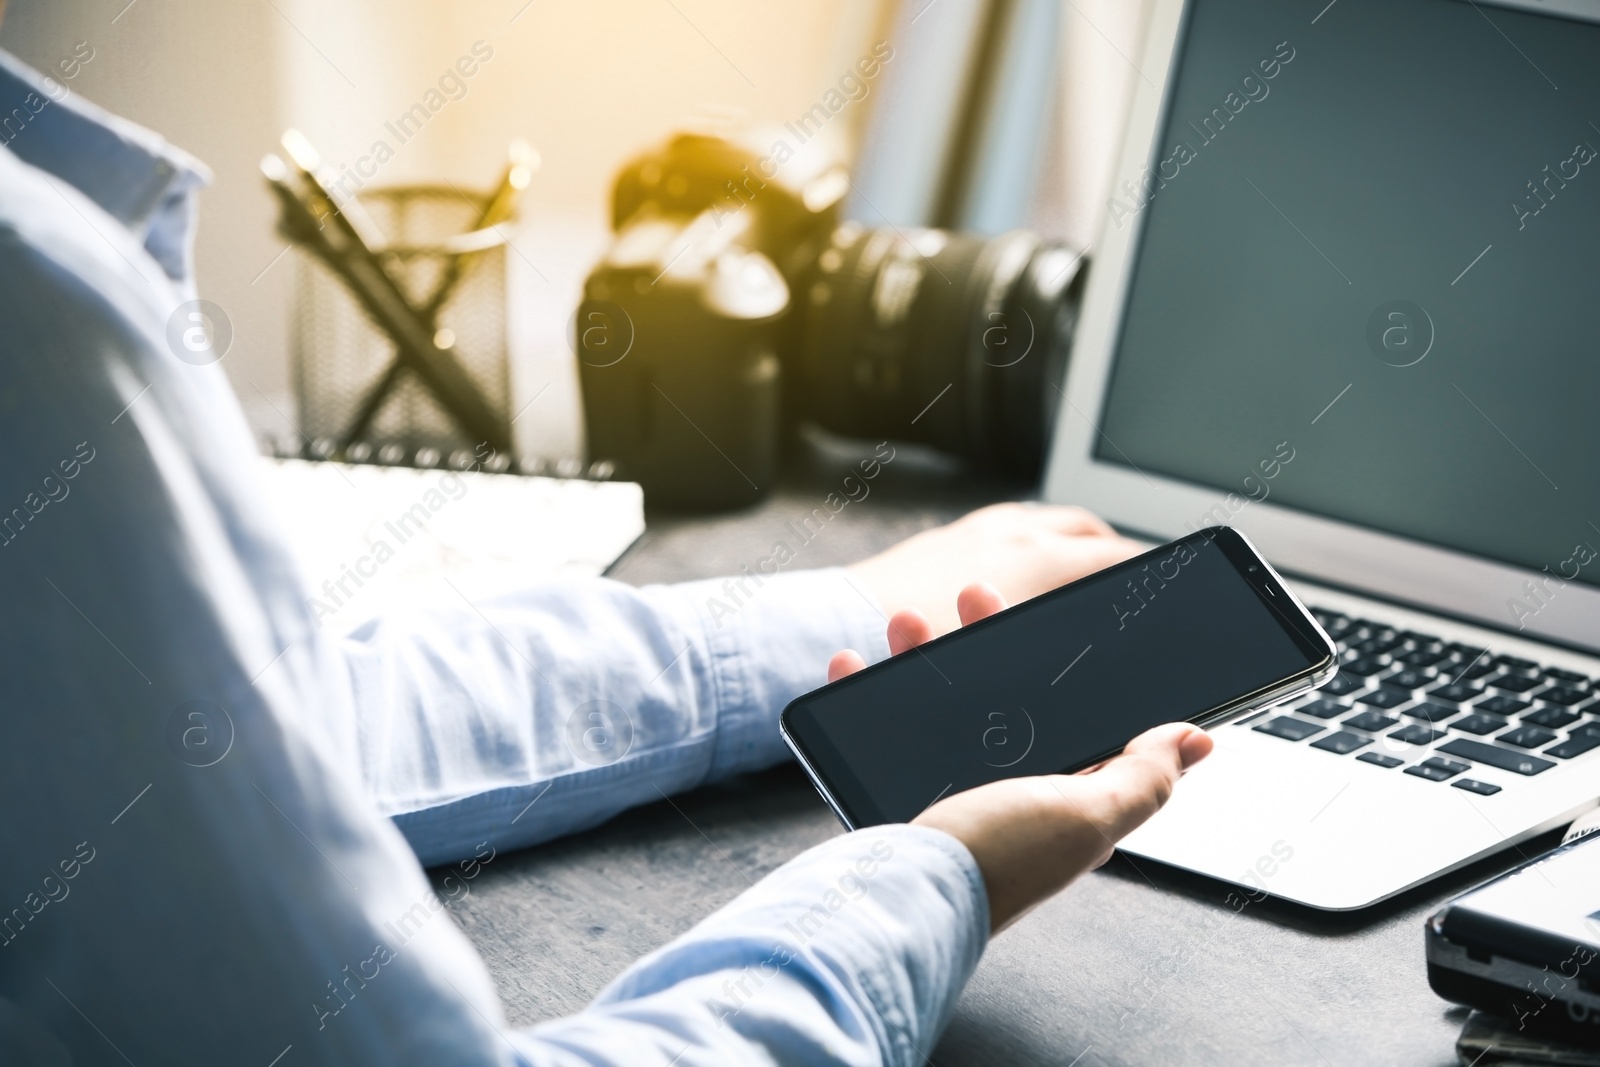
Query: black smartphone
x=1200 y=630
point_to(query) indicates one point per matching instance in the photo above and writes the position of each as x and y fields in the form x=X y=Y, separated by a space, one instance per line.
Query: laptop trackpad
x=1319 y=829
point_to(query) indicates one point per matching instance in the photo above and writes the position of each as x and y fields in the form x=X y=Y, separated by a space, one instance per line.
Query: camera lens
x=949 y=339
x=701 y=363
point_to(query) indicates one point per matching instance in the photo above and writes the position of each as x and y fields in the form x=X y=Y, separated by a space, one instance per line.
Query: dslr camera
x=734 y=303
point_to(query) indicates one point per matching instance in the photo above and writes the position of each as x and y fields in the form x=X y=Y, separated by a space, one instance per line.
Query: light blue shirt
x=213 y=811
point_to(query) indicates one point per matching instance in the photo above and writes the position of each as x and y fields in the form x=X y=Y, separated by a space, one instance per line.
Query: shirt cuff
x=770 y=640
x=855 y=951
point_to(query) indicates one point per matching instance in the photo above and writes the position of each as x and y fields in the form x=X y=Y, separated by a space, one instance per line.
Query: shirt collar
x=133 y=174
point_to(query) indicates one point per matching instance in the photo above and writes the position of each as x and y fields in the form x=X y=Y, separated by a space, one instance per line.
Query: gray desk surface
x=1134 y=965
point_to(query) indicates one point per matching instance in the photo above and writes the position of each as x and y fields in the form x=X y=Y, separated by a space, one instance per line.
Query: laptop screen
x=1368 y=282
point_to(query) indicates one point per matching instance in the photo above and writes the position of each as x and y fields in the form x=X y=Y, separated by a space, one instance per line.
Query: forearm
x=553 y=709
x=854 y=953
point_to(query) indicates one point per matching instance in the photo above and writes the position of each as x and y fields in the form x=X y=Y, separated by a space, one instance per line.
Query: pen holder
x=455 y=277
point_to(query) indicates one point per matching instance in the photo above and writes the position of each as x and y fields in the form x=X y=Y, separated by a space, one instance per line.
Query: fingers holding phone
x=907 y=629
x=1024 y=549
x=910 y=627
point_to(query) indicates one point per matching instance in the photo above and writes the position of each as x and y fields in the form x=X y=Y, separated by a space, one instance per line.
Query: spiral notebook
x=373 y=539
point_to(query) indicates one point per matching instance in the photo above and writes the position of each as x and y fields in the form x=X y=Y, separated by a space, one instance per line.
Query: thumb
x=1132 y=787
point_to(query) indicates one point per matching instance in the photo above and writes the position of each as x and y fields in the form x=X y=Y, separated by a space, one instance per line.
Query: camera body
x=734 y=303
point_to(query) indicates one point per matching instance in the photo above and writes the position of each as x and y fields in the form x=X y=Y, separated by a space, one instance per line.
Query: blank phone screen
x=1057 y=682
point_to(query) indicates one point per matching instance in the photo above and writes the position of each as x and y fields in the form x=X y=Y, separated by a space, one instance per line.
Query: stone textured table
x=1138 y=965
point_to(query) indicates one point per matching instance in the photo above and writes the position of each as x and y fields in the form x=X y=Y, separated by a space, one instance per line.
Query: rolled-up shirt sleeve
x=552 y=709
x=854 y=953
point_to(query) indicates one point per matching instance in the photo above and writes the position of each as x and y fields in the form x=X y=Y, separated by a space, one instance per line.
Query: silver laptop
x=1347 y=300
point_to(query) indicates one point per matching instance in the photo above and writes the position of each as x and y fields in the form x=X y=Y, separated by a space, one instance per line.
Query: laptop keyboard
x=1415 y=704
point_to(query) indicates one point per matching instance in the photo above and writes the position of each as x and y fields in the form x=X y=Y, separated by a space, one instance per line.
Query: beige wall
x=204 y=74
x=589 y=82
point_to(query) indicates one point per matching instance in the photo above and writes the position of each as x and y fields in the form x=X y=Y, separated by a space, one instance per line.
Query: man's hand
x=1021 y=549
x=1032 y=836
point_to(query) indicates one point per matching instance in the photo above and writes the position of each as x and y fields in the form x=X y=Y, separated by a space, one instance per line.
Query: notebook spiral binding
x=396 y=454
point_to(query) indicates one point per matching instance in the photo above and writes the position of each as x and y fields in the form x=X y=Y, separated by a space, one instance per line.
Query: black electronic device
x=1199 y=630
x=1526 y=945
x=733 y=302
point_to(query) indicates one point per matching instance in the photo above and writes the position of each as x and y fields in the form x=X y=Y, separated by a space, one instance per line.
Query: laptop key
x=1477 y=670
x=1501 y=705
x=1574 y=746
x=1467 y=653
x=1341 y=685
x=1564 y=695
x=1591 y=708
x=1384 y=698
x=1527 y=737
x=1456 y=694
x=1324 y=709
x=1343 y=743
x=1516 y=664
x=1504 y=758
x=1472 y=785
x=1425 y=641
x=1363 y=666
x=1378 y=759
x=1409 y=678
x=1417 y=734
x=1437 y=770
x=1570 y=677
x=1550 y=718
x=1588 y=729
x=1430 y=712
x=1288 y=729
x=1513 y=683
x=1421 y=657
x=1479 y=724
x=1370 y=721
